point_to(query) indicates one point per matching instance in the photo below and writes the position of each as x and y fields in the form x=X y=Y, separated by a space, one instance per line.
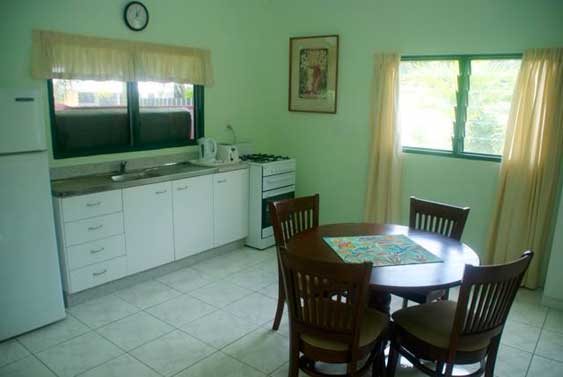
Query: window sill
x=466 y=156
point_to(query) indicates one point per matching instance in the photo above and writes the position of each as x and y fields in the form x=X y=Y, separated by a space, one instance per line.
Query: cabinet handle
x=95 y=227
x=161 y=192
x=99 y=273
x=222 y=181
x=96 y=251
x=93 y=204
x=185 y=187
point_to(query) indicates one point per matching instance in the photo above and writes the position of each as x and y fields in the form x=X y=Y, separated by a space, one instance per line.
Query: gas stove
x=262 y=158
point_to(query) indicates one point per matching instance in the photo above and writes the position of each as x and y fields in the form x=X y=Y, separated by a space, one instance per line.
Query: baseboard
x=140 y=277
x=552 y=302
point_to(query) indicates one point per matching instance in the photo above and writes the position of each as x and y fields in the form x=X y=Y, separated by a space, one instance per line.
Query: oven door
x=272 y=196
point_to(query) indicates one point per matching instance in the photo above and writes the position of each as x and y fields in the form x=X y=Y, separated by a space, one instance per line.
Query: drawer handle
x=93 y=204
x=222 y=181
x=96 y=251
x=99 y=273
x=91 y=228
x=185 y=187
x=161 y=192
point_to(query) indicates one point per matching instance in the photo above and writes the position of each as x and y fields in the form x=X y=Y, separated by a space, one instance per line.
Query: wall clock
x=136 y=16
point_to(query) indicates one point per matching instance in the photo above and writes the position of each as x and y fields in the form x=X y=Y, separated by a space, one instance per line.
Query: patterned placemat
x=388 y=250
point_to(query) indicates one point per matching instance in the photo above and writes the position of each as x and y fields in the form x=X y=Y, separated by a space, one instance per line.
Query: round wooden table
x=393 y=279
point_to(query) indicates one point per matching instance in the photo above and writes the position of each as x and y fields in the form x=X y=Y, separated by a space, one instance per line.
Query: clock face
x=136 y=16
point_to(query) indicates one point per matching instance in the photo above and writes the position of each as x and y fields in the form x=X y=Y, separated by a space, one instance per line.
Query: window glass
x=166 y=112
x=90 y=114
x=490 y=94
x=427 y=100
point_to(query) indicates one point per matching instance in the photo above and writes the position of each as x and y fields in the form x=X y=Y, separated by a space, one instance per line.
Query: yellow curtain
x=382 y=202
x=530 y=170
x=69 y=56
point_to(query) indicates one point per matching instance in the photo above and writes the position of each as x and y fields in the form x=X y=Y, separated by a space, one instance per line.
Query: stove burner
x=262 y=157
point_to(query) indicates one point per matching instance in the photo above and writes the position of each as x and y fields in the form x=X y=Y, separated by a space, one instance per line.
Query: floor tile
x=28 y=367
x=55 y=333
x=529 y=296
x=219 y=328
x=10 y=351
x=550 y=345
x=181 y=310
x=271 y=290
x=541 y=367
x=218 y=267
x=512 y=362
x=102 y=311
x=148 y=294
x=270 y=266
x=221 y=293
x=256 y=307
x=123 y=366
x=79 y=354
x=520 y=335
x=220 y=365
x=284 y=324
x=554 y=321
x=254 y=279
x=135 y=330
x=284 y=370
x=527 y=313
x=186 y=280
x=263 y=349
x=172 y=353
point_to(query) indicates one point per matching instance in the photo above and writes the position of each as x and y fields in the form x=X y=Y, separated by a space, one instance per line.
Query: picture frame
x=313 y=74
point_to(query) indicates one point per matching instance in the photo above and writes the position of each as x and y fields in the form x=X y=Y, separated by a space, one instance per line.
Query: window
x=96 y=117
x=456 y=106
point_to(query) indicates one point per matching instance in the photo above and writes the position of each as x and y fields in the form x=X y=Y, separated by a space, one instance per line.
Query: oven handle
x=276 y=192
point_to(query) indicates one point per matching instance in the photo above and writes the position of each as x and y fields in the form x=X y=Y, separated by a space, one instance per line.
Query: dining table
x=395 y=279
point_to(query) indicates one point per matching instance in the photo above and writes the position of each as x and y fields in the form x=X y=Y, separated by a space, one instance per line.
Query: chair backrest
x=437 y=217
x=293 y=216
x=325 y=299
x=486 y=296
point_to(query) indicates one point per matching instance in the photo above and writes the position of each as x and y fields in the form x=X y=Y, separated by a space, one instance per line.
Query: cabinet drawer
x=95 y=251
x=85 y=206
x=97 y=274
x=93 y=229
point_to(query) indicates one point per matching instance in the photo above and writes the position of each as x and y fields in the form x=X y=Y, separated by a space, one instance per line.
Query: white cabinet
x=148 y=226
x=193 y=215
x=230 y=206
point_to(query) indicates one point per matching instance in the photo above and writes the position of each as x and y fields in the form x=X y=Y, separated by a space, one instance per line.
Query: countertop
x=102 y=182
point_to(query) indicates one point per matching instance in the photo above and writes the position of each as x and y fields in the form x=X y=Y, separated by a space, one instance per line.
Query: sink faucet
x=122 y=167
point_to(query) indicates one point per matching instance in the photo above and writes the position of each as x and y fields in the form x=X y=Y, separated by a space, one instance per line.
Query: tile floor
x=213 y=319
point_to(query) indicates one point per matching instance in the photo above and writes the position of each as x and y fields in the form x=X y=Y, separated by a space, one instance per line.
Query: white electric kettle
x=207 y=149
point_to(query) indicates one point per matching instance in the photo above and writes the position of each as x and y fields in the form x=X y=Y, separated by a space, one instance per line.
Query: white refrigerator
x=30 y=278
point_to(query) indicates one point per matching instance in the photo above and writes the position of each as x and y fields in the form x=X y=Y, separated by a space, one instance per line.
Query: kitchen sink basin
x=132 y=176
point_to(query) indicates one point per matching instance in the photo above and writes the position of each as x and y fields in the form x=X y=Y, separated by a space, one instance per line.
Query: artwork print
x=313 y=72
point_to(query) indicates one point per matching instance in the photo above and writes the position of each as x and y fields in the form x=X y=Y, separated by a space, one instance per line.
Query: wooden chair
x=465 y=332
x=329 y=318
x=438 y=218
x=289 y=218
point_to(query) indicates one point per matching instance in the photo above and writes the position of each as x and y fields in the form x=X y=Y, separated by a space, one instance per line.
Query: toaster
x=227 y=153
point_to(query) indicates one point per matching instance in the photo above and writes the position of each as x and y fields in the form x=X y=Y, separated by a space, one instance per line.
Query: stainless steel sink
x=132 y=176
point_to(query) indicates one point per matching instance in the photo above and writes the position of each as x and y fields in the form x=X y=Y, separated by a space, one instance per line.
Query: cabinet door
x=193 y=215
x=230 y=206
x=148 y=226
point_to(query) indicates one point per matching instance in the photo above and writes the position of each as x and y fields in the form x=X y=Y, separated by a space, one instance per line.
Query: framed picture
x=313 y=74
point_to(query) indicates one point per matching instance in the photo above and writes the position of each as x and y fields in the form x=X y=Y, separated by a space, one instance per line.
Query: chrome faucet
x=122 y=167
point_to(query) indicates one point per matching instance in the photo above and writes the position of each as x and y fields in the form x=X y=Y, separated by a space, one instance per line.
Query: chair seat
x=432 y=323
x=373 y=324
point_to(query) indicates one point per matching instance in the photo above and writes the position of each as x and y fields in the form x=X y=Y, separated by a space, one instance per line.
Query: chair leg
x=439 y=368
x=378 y=367
x=279 y=309
x=449 y=370
x=405 y=303
x=492 y=357
x=293 y=356
x=393 y=359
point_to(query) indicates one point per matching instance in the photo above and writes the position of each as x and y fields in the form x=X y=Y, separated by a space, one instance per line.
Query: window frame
x=462 y=101
x=134 y=125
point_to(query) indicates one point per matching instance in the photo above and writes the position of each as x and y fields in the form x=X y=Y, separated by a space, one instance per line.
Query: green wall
x=332 y=150
x=232 y=30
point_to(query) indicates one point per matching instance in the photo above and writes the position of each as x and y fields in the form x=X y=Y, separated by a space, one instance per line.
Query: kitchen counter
x=103 y=182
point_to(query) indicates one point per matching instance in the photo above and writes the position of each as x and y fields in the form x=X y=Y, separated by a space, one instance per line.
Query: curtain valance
x=69 y=56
